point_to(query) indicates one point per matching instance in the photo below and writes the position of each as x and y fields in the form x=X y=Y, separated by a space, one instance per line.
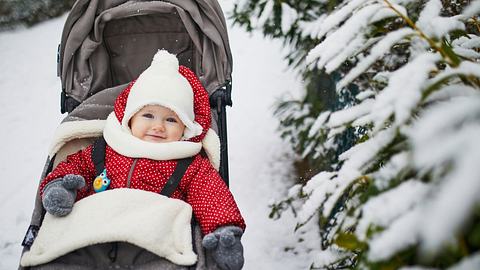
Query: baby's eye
x=148 y=115
x=171 y=119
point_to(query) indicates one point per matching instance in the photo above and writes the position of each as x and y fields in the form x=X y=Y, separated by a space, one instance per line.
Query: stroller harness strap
x=98 y=154
x=98 y=157
x=174 y=181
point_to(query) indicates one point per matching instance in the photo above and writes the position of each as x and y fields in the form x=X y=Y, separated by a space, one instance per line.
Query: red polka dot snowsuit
x=202 y=187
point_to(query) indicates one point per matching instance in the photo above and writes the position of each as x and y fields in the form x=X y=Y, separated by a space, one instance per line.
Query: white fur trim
x=162 y=84
x=211 y=144
x=146 y=219
x=119 y=141
x=68 y=131
x=123 y=142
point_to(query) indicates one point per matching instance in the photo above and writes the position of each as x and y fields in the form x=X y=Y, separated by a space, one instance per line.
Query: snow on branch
x=289 y=16
x=351 y=30
x=403 y=93
x=397 y=237
x=472 y=262
x=473 y=9
x=356 y=161
x=384 y=209
x=345 y=41
x=434 y=25
x=263 y=15
x=338 y=17
x=380 y=49
x=399 y=98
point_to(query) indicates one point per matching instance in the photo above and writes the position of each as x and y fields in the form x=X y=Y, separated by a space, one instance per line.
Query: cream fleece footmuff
x=149 y=220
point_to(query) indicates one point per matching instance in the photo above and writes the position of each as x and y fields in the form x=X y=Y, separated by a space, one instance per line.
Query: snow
x=316 y=126
x=326 y=188
x=416 y=268
x=341 y=56
x=467 y=42
x=289 y=15
x=433 y=25
x=365 y=94
x=362 y=153
x=387 y=12
x=318 y=189
x=339 y=16
x=472 y=262
x=259 y=160
x=458 y=193
x=380 y=49
x=440 y=121
x=403 y=92
x=388 y=206
x=328 y=256
x=451 y=91
x=29 y=103
x=465 y=68
x=398 y=236
x=348 y=36
x=312 y=28
x=258 y=22
x=387 y=173
x=347 y=115
x=473 y=9
x=467 y=53
x=454 y=126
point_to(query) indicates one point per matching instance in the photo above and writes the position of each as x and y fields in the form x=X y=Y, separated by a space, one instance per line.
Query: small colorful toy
x=101 y=182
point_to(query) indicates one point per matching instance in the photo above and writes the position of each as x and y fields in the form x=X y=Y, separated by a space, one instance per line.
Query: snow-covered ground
x=259 y=163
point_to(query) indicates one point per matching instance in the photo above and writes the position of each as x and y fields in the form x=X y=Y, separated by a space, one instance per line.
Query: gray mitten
x=59 y=195
x=225 y=246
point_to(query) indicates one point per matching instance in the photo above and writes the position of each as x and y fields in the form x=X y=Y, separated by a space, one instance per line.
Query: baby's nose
x=158 y=126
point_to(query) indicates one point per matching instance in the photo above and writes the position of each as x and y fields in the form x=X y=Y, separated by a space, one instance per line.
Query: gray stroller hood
x=106 y=43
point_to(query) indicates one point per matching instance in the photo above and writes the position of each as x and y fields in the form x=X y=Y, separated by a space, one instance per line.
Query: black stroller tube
x=222 y=128
x=219 y=100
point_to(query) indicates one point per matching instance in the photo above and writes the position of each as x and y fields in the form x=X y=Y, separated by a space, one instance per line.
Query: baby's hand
x=225 y=247
x=59 y=195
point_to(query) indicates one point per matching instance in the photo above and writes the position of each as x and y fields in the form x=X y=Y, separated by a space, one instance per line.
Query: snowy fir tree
x=406 y=74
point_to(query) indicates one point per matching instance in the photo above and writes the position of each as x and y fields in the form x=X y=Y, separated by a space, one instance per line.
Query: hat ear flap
x=201 y=103
x=211 y=144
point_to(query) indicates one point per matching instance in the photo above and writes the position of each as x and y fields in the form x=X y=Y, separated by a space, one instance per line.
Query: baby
x=158 y=119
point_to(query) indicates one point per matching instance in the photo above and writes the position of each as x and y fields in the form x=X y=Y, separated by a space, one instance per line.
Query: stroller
x=105 y=45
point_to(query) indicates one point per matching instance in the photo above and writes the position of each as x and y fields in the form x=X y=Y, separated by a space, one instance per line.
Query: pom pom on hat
x=165 y=61
x=162 y=84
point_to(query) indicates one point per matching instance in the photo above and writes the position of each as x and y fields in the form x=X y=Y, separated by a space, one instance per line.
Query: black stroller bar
x=221 y=98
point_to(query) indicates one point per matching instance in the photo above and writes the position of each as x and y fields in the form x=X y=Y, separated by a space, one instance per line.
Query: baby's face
x=155 y=123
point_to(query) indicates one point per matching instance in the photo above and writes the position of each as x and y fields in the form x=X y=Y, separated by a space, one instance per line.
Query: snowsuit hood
x=147 y=90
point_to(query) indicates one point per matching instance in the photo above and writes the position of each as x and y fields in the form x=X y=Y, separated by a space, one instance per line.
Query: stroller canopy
x=106 y=43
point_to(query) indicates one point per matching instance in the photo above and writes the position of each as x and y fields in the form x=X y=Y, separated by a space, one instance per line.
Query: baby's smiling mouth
x=158 y=137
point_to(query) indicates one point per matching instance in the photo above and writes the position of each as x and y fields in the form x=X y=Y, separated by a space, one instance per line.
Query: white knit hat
x=162 y=84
